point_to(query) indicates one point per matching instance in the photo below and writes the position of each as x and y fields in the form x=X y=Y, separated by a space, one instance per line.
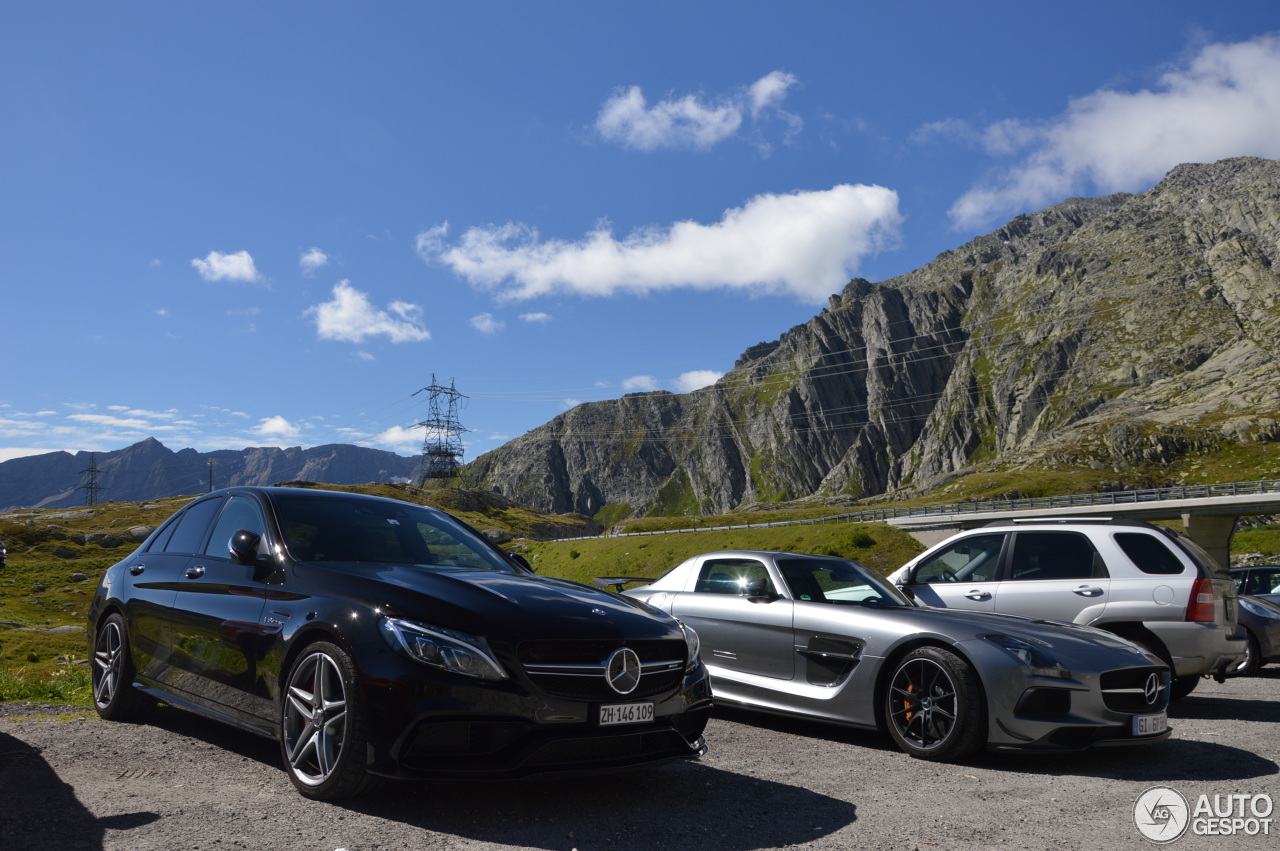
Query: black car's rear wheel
x=322 y=726
x=934 y=705
x=114 y=696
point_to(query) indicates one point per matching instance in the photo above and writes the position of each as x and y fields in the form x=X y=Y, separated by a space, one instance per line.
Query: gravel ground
x=69 y=780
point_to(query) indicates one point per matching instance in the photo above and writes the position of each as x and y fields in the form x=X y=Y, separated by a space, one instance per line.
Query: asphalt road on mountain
x=71 y=781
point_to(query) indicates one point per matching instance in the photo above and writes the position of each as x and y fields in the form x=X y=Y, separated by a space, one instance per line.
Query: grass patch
x=881 y=547
x=69 y=683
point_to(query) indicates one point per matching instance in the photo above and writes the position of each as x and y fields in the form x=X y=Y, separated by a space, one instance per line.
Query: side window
x=972 y=559
x=1149 y=553
x=166 y=532
x=731 y=576
x=1054 y=555
x=188 y=537
x=1262 y=580
x=240 y=513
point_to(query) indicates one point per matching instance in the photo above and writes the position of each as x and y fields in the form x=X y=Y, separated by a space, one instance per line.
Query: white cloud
x=486 y=324
x=400 y=439
x=1223 y=102
x=114 y=422
x=351 y=318
x=804 y=243
x=628 y=119
x=541 y=318
x=311 y=260
x=365 y=356
x=697 y=379
x=8 y=454
x=570 y=402
x=276 y=428
x=640 y=383
x=227 y=267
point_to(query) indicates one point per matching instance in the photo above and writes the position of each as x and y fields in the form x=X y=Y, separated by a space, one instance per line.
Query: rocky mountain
x=149 y=470
x=1108 y=331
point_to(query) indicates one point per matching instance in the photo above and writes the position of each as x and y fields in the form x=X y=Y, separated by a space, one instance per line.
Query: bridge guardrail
x=978 y=507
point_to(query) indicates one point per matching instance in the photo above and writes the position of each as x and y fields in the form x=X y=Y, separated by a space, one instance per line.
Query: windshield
x=839 y=581
x=347 y=529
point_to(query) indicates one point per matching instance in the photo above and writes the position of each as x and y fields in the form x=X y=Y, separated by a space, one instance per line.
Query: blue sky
x=268 y=224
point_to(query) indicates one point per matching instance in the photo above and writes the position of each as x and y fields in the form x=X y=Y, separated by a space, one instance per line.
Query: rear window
x=1149 y=553
x=1205 y=562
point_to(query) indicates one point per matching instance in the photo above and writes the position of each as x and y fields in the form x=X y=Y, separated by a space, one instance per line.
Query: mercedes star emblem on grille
x=623 y=670
x=1152 y=689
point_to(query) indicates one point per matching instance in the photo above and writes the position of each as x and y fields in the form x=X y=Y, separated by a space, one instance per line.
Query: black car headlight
x=446 y=649
x=1262 y=609
x=694 y=643
x=1037 y=660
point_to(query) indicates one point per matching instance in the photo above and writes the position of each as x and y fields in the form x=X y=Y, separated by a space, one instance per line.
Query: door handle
x=195 y=571
x=136 y=570
x=978 y=594
x=1089 y=591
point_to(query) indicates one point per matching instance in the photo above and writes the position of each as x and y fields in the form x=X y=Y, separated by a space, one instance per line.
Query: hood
x=516 y=606
x=1063 y=637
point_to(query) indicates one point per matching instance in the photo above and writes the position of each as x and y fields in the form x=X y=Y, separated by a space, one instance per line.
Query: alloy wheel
x=923 y=703
x=315 y=719
x=108 y=663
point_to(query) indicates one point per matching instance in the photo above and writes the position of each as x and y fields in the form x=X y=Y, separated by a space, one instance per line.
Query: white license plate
x=625 y=713
x=1149 y=725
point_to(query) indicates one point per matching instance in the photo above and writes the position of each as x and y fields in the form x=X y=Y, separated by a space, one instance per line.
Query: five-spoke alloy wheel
x=322 y=733
x=112 y=675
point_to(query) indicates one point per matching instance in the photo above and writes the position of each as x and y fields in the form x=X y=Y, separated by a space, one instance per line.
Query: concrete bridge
x=1208 y=512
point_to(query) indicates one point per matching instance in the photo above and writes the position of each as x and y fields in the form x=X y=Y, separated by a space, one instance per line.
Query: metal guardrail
x=978 y=507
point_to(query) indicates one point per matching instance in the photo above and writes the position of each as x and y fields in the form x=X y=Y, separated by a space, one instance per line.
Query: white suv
x=1151 y=585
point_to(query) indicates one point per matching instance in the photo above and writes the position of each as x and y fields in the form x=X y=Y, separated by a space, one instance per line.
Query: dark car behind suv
x=377 y=638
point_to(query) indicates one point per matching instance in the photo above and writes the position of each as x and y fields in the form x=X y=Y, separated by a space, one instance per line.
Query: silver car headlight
x=694 y=643
x=1037 y=660
x=446 y=649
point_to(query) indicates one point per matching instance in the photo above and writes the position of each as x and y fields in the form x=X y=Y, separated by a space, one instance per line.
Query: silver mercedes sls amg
x=828 y=638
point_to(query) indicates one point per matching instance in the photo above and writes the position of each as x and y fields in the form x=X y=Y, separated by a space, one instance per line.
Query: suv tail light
x=1200 y=606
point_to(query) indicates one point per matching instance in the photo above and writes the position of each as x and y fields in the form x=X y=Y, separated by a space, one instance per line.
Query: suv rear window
x=1149 y=553
x=1206 y=563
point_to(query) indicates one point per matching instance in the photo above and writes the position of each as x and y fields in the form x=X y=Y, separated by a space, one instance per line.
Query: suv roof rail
x=1062 y=521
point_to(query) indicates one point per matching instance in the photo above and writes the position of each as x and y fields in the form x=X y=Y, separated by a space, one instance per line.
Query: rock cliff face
x=1116 y=330
x=149 y=470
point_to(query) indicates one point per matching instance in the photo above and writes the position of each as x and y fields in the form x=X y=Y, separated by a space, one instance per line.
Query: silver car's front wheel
x=934 y=705
x=321 y=728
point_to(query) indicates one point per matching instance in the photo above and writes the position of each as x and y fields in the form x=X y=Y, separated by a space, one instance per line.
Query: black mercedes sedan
x=377 y=638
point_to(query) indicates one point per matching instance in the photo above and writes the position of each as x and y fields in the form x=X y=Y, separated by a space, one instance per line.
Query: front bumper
x=429 y=725
x=1090 y=709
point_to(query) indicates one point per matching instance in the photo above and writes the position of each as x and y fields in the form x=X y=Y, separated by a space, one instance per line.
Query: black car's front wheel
x=934 y=705
x=1249 y=665
x=322 y=726
x=114 y=696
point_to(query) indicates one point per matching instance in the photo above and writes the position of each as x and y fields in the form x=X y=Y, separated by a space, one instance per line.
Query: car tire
x=112 y=674
x=934 y=705
x=322 y=726
x=1179 y=687
x=1252 y=660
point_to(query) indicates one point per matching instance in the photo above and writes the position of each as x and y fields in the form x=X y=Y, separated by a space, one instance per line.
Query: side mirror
x=244 y=547
x=758 y=591
x=522 y=561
